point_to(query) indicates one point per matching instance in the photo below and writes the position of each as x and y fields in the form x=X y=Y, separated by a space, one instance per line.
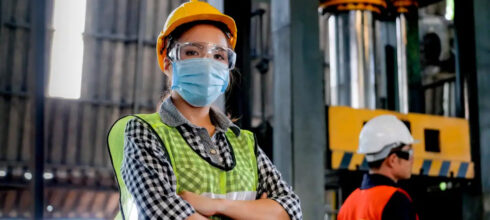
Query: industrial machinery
x=373 y=68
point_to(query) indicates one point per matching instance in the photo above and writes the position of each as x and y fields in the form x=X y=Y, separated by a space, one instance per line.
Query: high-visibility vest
x=193 y=173
x=368 y=204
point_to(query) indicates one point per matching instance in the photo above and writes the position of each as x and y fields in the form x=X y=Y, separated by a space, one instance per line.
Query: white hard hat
x=381 y=134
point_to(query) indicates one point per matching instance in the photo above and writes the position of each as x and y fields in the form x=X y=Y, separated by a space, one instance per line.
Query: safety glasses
x=404 y=154
x=190 y=50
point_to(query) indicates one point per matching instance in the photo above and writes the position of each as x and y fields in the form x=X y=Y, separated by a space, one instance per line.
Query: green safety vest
x=193 y=173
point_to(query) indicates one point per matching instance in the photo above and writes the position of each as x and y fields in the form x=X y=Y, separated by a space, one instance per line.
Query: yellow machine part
x=349 y=5
x=403 y=6
x=447 y=154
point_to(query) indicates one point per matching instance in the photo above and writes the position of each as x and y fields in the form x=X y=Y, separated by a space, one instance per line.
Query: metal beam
x=20 y=184
x=473 y=45
x=139 y=54
x=96 y=102
x=482 y=45
x=9 y=93
x=299 y=104
x=408 y=59
x=238 y=99
x=127 y=39
x=38 y=58
x=17 y=24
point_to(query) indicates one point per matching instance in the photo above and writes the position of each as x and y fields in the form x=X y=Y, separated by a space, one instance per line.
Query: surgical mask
x=199 y=81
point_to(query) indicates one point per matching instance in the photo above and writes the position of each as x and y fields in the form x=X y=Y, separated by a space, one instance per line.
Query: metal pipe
x=139 y=54
x=38 y=57
x=369 y=60
x=401 y=42
x=352 y=72
x=385 y=41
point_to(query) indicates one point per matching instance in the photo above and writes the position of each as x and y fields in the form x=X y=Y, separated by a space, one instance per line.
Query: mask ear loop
x=174 y=78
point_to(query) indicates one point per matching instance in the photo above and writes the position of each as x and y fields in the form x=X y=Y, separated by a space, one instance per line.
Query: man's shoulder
x=399 y=206
x=401 y=197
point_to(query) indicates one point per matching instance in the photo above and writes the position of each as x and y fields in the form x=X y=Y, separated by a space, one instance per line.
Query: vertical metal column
x=238 y=99
x=352 y=66
x=473 y=46
x=482 y=41
x=408 y=60
x=385 y=58
x=38 y=58
x=466 y=70
x=139 y=54
x=299 y=104
x=401 y=51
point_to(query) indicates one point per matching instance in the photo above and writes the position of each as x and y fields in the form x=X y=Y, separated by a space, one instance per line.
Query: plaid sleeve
x=148 y=175
x=271 y=182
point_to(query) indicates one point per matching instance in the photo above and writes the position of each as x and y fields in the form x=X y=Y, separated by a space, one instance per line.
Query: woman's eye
x=219 y=57
x=191 y=53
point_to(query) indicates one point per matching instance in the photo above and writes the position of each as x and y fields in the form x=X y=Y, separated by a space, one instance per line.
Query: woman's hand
x=204 y=205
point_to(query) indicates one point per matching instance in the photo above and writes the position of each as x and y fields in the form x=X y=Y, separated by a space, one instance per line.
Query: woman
x=189 y=161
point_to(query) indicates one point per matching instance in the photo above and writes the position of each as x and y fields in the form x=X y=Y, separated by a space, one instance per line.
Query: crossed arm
x=262 y=208
x=149 y=177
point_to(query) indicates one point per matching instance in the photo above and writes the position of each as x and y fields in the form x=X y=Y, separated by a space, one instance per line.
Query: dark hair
x=375 y=164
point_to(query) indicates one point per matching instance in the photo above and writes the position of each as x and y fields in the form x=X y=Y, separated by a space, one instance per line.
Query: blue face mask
x=200 y=81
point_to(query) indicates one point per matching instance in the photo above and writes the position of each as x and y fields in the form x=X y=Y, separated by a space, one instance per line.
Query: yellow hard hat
x=191 y=11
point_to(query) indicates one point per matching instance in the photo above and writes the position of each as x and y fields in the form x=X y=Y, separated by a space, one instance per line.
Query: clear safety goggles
x=189 y=50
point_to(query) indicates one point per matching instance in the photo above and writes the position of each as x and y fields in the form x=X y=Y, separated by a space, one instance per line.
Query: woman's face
x=201 y=33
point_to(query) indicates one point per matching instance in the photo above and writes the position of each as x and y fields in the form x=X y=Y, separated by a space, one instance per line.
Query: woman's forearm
x=261 y=208
x=256 y=209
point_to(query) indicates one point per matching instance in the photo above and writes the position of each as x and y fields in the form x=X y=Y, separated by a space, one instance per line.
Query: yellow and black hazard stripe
x=426 y=167
x=443 y=168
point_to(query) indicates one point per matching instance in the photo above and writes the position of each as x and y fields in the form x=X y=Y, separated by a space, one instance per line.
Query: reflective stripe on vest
x=193 y=173
x=233 y=195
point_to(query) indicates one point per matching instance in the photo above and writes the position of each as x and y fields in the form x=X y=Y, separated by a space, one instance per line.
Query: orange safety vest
x=368 y=204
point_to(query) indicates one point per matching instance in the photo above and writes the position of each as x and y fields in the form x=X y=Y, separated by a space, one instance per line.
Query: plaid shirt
x=149 y=176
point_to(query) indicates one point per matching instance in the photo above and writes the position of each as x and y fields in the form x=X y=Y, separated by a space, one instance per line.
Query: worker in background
x=387 y=145
x=189 y=161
